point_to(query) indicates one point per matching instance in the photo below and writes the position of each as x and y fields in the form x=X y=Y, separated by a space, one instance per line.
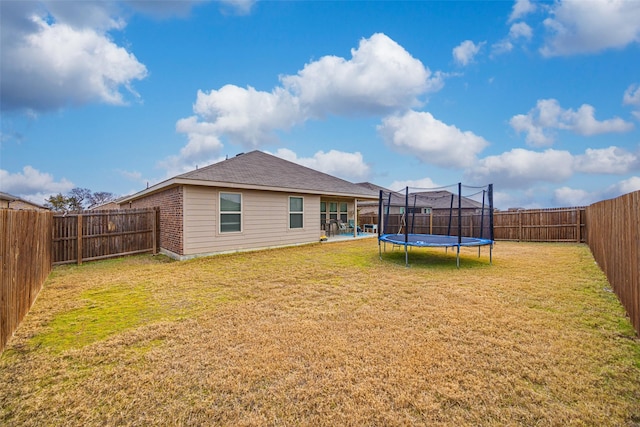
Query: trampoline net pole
x=380 y=201
x=406 y=209
x=491 y=212
x=482 y=216
x=406 y=227
x=450 y=215
x=459 y=215
x=413 y=215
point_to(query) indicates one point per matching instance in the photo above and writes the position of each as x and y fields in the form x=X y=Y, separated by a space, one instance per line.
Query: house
x=424 y=202
x=251 y=201
x=107 y=206
x=8 y=201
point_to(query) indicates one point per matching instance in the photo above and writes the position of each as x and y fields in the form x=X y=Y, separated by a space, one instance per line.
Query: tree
x=100 y=197
x=57 y=203
x=77 y=200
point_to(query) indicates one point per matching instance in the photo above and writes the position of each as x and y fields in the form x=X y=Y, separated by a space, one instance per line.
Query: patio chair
x=352 y=225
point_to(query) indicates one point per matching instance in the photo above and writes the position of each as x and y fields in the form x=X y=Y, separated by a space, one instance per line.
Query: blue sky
x=542 y=99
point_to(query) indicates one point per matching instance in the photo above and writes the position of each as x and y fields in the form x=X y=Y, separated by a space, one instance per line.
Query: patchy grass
x=327 y=335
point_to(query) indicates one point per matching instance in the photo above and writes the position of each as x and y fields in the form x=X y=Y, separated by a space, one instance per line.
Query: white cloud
x=350 y=166
x=134 y=176
x=503 y=46
x=623 y=187
x=167 y=9
x=540 y=122
x=241 y=7
x=464 y=53
x=578 y=27
x=246 y=116
x=632 y=95
x=519 y=168
x=422 y=184
x=380 y=76
x=520 y=30
x=566 y=196
x=521 y=8
x=430 y=140
x=612 y=160
x=202 y=149
x=48 y=64
x=31 y=184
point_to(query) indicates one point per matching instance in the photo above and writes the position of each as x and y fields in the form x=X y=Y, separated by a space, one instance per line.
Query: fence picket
x=25 y=263
x=614 y=239
x=92 y=235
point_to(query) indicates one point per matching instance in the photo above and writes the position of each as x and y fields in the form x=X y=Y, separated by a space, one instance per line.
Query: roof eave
x=222 y=184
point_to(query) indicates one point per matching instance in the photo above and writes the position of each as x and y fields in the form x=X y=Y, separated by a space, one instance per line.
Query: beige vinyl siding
x=265 y=221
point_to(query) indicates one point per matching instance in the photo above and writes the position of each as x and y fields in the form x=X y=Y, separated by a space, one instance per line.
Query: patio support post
x=355 y=217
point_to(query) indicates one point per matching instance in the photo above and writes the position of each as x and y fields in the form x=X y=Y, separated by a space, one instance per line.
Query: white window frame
x=296 y=212
x=221 y=213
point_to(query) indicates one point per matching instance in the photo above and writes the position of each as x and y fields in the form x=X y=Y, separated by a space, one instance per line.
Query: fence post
x=578 y=223
x=519 y=225
x=79 y=239
x=153 y=226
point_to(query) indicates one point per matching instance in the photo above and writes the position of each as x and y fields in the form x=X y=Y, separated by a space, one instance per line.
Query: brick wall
x=171 y=216
x=22 y=205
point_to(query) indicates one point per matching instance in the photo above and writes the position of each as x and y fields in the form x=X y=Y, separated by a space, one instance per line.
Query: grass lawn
x=326 y=335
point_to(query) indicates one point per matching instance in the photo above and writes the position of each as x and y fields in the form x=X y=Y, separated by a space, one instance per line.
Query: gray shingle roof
x=431 y=199
x=257 y=168
x=11 y=198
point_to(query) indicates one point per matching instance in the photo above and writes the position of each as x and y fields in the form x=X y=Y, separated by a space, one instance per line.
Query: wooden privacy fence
x=523 y=225
x=541 y=225
x=92 y=235
x=25 y=263
x=614 y=238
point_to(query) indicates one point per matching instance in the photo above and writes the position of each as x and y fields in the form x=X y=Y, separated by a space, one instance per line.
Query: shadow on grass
x=439 y=258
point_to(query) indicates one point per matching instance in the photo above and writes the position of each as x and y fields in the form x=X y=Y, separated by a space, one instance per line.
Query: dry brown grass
x=327 y=335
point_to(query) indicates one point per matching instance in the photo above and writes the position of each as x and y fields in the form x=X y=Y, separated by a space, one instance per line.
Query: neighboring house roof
x=262 y=171
x=442 y=200
x=110 y=205
x=428 y=199
x=19 y=202
x=8 y=197
x=373 y=187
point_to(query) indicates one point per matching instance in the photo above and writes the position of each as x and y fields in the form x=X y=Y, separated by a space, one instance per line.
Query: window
x=333 y=210
x=230 y=212
x=296 y=212
x=343 y=212
x=420 y=210
x=323 y=212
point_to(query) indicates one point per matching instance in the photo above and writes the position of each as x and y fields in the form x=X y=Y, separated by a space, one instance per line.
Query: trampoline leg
x=490 y=254
x=458 y=257
x=406 y=256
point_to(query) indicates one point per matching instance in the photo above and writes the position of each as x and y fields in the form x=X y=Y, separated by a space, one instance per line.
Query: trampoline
x=409 y=221
x=432 y=240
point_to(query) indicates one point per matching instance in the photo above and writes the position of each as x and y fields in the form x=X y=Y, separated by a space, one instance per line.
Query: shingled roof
x=260 y=170
x=433 y=199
